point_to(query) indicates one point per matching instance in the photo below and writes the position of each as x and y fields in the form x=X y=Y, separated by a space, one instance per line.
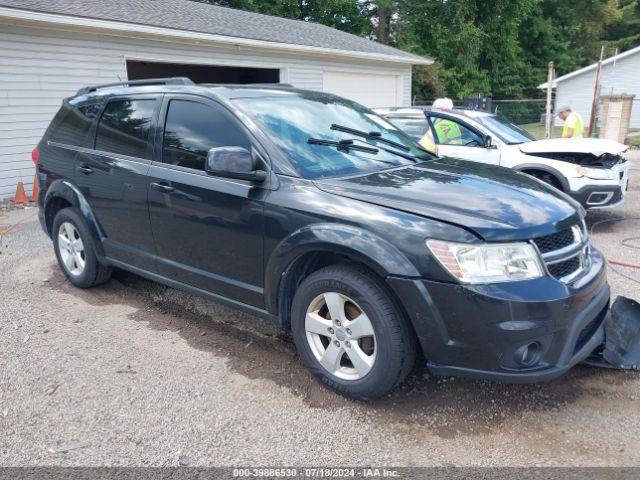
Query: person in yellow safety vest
x=573 y=122
x=448 y=132
x=427 y=141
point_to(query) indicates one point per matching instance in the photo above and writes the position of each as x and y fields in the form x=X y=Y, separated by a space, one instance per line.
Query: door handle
x=87 y=170
x=162 y=187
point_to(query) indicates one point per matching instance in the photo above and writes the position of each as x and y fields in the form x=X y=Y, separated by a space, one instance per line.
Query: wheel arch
x=557 y=174
x=62 y=194
x=317 y=246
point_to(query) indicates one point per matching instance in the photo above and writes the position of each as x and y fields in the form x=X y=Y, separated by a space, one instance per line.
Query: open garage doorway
x=139 y=70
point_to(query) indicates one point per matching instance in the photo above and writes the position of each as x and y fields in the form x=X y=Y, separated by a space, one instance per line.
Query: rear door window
x=124 y=127
x=192 y=128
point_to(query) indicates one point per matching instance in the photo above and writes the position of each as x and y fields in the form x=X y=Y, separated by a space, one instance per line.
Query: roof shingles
x=211 y=19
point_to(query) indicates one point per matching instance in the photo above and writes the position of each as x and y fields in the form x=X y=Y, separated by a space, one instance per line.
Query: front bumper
x=601 y=193
x=605 y=196
x=480 y=331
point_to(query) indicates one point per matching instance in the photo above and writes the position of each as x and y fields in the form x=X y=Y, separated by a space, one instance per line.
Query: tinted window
x=124 y=127
x=72 y=123
x=192 y=128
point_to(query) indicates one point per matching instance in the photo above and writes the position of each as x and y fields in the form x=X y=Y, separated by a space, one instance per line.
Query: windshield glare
x=505 y=130
x=292 y=119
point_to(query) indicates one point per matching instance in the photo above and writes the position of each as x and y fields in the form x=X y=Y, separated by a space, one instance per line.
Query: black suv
x=314 y=212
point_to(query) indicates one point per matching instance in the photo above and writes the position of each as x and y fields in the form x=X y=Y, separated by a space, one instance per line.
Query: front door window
x=450 y=132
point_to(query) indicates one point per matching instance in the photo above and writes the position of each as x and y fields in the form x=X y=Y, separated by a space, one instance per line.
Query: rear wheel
x=350 y=333
x=74 y=250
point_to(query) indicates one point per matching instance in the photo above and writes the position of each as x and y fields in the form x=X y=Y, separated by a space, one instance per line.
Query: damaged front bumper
x=621 y=348
x=594 y=194
x=520 y=332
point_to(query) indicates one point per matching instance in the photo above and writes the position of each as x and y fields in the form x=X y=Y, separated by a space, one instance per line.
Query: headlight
x=596 y=173
x=488 y=263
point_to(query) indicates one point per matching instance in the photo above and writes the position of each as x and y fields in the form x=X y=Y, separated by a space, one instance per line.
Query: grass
x=537 y=130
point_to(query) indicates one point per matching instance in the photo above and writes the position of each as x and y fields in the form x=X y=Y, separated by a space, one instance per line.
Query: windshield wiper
x=342 y=145
x=348 y=145
x=377 y=136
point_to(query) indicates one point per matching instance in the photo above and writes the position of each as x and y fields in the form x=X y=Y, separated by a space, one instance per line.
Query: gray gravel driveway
x=133 y=373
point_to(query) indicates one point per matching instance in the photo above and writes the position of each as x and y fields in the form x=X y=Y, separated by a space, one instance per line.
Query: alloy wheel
x=71 y=249
x=340 y=336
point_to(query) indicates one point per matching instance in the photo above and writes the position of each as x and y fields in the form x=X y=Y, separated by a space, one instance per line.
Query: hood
x=496 y=203
x=594 y=146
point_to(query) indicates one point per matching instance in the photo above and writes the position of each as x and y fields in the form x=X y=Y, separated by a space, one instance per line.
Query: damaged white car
x=592 y=171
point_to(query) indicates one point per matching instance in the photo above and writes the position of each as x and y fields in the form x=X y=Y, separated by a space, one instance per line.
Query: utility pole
x=548 y=119
x=596 y=94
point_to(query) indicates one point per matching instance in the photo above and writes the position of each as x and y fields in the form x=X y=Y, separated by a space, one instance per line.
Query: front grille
x=555 y=241
x=563 y=252
x=564 y=268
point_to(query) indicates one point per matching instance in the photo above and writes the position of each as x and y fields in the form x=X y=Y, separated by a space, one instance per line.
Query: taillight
x=35 y=156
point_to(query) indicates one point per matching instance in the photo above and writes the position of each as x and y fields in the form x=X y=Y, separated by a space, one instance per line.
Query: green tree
x=497 y=47
x=475 y=43
x=624 y=32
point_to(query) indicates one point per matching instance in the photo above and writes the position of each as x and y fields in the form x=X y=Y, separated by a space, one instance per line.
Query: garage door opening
x=137 y=70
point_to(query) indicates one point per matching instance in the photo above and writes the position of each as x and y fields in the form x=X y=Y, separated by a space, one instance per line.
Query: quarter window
x=192 y=128
x=72 y=123
x=124 y=127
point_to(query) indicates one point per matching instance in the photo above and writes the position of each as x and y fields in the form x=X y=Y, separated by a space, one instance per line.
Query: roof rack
x=248 y=85
x=146 y=81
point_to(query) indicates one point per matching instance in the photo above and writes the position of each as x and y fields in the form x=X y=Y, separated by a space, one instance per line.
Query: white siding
x=624 y=77
x=373 y=91
x=407 y=97
x=39 y=67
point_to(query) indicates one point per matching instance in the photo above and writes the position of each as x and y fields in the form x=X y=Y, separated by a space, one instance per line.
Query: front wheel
x=350 y=333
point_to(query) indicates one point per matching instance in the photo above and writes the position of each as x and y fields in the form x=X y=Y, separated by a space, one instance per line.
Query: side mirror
x=488 y=142
x=233 y=162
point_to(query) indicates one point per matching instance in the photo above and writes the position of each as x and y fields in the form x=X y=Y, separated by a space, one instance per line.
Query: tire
x=75 y=252
x=380 y=361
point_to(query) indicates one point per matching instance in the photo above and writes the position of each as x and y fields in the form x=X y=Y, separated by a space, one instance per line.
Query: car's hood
x=595 y=146
x=496 y=203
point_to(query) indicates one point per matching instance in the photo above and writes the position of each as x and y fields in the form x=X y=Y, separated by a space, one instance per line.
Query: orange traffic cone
x=21 y=196
x=35 y=188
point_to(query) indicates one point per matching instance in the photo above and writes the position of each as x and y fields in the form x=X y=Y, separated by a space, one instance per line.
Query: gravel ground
x=133 y=373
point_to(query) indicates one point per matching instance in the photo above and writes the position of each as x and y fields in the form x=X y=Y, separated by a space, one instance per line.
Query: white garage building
x=619 y=74
x=51 y=48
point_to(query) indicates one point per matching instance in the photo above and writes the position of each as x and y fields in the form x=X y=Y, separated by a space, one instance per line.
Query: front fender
x=358 y=244
x=67 y=191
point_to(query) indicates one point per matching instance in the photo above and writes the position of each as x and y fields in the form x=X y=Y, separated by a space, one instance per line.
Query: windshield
x=505 y=130
x=292 y=118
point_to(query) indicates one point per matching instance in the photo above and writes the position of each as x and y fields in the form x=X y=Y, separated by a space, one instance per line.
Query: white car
x=592 y=171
